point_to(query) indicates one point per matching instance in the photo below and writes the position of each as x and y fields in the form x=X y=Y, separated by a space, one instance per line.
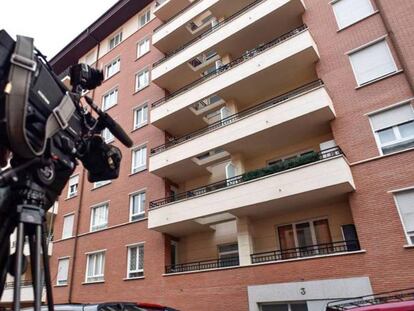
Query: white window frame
x=107 y=95
x=63 y=282
x=396 y=131
x=141 y=215
x=407 y=235
x=312 y=229
x=369 y=44
x=65 y=224
x=102 y=275
x=137 y=87
x=99 y=184
x=74 y=193
x=145 y=13
x=139 y=53
x=138 y=270
x=333 y=2
x=119 y=35
x=102 y=226
x=115 y=62
x=144 y=121
x=135 y=170
x=109 y=136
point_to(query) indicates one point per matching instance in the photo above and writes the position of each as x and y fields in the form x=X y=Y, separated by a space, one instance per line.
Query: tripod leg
x=48 y=281
x=5 y=229
x=35 y=258
x=18 y=266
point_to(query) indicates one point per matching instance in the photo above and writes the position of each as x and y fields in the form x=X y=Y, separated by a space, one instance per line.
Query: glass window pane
x=133 y=258
x=304 y=235
x=386 y=135
x=298 y=307
x=406 y=129
x=286 y=237
x=275 y=307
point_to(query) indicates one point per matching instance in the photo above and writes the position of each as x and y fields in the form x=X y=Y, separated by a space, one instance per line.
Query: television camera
x=48 y=129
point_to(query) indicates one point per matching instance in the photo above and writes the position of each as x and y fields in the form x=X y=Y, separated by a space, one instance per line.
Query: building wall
x=383 y=259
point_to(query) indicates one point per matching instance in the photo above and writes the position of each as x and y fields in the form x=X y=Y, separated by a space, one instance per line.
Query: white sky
x=52 y=23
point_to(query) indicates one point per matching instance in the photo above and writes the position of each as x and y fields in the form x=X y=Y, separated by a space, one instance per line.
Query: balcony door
x=304 y=238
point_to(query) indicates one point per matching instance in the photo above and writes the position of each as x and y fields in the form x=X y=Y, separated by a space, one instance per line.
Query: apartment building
x=272 y=161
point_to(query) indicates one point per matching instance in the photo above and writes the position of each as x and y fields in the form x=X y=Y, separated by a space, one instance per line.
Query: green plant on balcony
x=281 y=166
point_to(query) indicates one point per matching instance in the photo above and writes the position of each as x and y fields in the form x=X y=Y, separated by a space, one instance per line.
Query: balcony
x=254 y=76
x=203 y=265
x=167 y=9
x=195 y=19
x=325 y=249
x=306 y=251
x=296 y=115
x=253 y=24
x=26 y=293
x=304 y=179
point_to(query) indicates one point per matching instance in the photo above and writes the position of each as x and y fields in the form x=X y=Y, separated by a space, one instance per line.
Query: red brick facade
x=385 y=260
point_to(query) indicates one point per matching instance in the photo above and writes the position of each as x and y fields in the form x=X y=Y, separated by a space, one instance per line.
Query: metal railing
x=203 y=265
x=252 y=175
x=306 y=251
x=235 y=117
x=245 y=57
x=176 y=14
x=205 y=33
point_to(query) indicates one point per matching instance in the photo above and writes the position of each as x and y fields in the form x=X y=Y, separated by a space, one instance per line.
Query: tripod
x=25 y=212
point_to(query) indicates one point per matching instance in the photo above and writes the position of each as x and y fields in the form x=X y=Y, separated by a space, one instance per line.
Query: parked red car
x=153 y=307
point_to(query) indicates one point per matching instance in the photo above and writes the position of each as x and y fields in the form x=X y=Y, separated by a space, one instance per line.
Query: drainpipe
x=78 y=215
x=408 y=73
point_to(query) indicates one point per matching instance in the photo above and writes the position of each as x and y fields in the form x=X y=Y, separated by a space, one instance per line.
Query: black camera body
x=53 y=124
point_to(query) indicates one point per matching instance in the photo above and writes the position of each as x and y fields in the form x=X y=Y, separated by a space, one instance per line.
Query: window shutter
x=74 y=180
x=348 y=12
x=230 y=170
x=68 y=226
x=405 y=202
x=63 y=269
x=372 y=62
x=391 y=117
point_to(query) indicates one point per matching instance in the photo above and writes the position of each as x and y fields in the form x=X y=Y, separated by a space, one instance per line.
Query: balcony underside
x=175 y=33
x=287 y=190
x=289 y=123
x=170 y=8
x=279 y=69
x=259 y=25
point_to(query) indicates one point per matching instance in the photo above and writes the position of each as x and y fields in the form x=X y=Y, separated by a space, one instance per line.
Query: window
x=144 y=18
x=228 y=254
x=107 y=136
x=348 y=12
x=63 y=269
x=68 y=226
x=73 y=186
x=394 y=128
x=90 y=58
x=284 y=307
x=405 y=204
x=102 y=183
x=305 y=236
x=142 y=80
x=372 y=62
x=140 y=116
x=135 y=261
x=115 y=40
x=139 y=159
x=110 y=99
x=143 y=47
x=95 y=267
x=137 y=206
x=99 y=217
x=112 y=68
